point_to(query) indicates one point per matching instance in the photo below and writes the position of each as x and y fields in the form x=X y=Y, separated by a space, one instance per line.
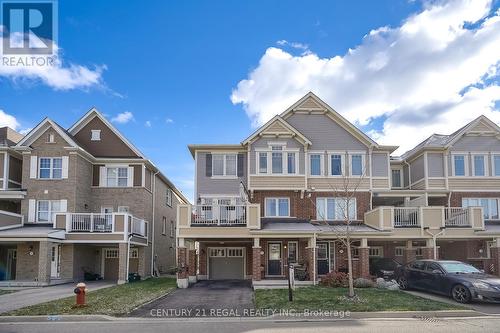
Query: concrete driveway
x=224 y=298
x=486 y=308
x=29 y=296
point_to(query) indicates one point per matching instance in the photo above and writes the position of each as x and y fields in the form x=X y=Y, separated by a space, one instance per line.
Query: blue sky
x=176 y=67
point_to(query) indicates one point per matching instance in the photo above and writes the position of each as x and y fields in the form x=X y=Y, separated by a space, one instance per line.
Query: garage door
x=226 y=263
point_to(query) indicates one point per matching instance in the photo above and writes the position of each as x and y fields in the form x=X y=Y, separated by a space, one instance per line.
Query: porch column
x=182 y=265
x=141 y=270
x=192 y=265
x=44 y=260
x=364 y=259
x=311 y=259
x=495 y=257
x=428 y=250
x=256 y=249
x=410 y=252
x=123 y=257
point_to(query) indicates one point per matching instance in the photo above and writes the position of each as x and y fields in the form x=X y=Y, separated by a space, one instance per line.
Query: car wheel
x=461 y=293
x=403 y=283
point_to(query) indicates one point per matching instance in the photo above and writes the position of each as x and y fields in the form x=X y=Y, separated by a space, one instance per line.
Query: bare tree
x=344 y=192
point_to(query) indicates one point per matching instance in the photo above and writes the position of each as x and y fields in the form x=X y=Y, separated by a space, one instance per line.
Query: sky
x=171 y=73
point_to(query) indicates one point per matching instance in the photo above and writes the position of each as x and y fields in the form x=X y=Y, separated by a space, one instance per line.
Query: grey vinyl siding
x=207 y=185
x=417 y=169
x=264 y=143
x=324 y=133
x=406 y=176
x=477 y=144
x=435 y=163
x=380 y=164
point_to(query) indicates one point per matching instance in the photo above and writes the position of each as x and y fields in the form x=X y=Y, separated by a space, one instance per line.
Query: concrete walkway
x=31 y=296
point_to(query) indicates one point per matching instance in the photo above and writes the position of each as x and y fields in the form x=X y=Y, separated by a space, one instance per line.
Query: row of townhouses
x=280 y=197
x=82 y=202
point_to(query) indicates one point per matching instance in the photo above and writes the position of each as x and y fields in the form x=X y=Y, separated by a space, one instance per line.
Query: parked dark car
x=383 y=267
x=461 y=281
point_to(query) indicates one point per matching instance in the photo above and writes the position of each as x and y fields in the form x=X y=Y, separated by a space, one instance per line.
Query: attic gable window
x=95 y=135
x=51 y=138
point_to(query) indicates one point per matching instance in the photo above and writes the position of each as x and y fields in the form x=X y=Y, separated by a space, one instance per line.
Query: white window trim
x=224 y=175
x=95 y=135
x=296 y=251
x=322 y=163
x=269 y=166
x=164 y=226
x=107 y=167
x=492 y=156
x=134 y=253
x=49 y=211
x=363 y=162
x=401 y=179
x=355 y=218
x=342 y=163
x=168 y=197
x=380 y=250
x=402 y=248
x=490 y=213
x=486 y=164
x=51 y=168
x=111 y=253
x=466 y=163
x=123 y=209
x=277 y=199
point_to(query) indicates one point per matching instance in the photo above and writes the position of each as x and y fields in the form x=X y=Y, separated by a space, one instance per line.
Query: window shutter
x=33 y=167
x=241 y=164
x=64 y=205
x=31 y=210
x=102 y=176
x=65 y=164
x=208 y=165
x=130 y=177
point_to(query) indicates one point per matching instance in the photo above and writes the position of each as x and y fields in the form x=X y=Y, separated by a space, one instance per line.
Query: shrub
x=363 y=283
x=335 y=280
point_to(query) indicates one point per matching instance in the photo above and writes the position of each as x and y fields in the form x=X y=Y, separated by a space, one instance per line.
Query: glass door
x=274 y=259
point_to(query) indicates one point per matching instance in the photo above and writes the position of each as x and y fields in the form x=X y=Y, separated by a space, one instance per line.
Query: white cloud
x=433 y=73
x=123 y=118
x=295 y=45
x=8 y=120
x=147 y=123
x=59 y=75
x=169 y=121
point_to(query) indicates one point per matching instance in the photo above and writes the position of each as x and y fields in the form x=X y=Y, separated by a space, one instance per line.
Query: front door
x=10 y=273
x=274 y=259
x=322 y=259
x=55 y=268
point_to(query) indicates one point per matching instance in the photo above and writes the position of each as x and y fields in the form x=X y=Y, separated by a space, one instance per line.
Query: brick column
x=311 y=263
x=256 y=272
x=122 y=263
x=182 y=266
x=44 y=260
x=495 y=260
x=192 y=266
x=141 y=269
x=363 y=262
x=428 y=253
x=410 y=252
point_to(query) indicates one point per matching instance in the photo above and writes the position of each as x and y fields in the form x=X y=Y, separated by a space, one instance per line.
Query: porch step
x=278 y=284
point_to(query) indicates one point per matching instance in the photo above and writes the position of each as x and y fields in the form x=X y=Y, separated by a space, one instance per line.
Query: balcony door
x=274 y=259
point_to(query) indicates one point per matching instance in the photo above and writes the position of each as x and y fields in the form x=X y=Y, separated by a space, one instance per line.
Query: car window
x=417 y=265
x=432 y=266
x=459 y=267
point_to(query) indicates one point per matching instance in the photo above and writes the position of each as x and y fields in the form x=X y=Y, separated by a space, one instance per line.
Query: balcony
x=219 y=216
x=101 y=226
x=9 y=220
x=433 y=217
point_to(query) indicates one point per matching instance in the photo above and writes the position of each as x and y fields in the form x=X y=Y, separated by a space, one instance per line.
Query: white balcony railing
x=406 y=217
x=91 y=222
x=220 y=215
x=456 y=217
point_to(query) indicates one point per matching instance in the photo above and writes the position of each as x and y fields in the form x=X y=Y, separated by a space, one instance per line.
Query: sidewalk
x=31 y=296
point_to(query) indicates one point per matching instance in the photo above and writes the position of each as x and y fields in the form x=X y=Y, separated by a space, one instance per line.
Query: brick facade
x=182 y=263
x=456 y=197
x=256 y=265
x=363 y=263
x=191 y=262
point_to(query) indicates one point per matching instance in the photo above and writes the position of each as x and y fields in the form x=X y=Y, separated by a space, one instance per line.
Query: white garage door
x=226 y=263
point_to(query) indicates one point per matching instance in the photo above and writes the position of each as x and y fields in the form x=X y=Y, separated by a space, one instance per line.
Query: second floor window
x=168 y=197
x=46 y=210
x=315 y=164
x=490 y=206
x=291 y=163
x=479 y=165
x=277 y=160
x=459 y=165
x=336 y=165
x=335 y=209
x=224 y=165
x=496 y=165
x=50 y=168
x=277 y=207
x=262 y=162
x=396 y=178
x=356 y=165
x=116 y=177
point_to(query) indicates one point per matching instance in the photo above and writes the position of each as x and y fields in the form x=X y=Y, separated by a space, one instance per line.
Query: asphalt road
x=483 y=325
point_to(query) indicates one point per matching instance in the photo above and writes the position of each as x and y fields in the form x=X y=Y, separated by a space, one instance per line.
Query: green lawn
x=116 y=301
x=3 y=292
x=324 y=298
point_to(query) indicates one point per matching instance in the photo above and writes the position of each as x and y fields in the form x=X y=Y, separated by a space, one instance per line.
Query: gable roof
x=311 y=102
x=276 y=119
x=39 y=129
x=480 y=125
x=91 y=114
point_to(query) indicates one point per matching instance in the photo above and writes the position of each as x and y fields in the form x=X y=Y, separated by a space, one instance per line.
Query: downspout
x=314 y=259
x=153 y=223
x=434 y=241
x=128 y=254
